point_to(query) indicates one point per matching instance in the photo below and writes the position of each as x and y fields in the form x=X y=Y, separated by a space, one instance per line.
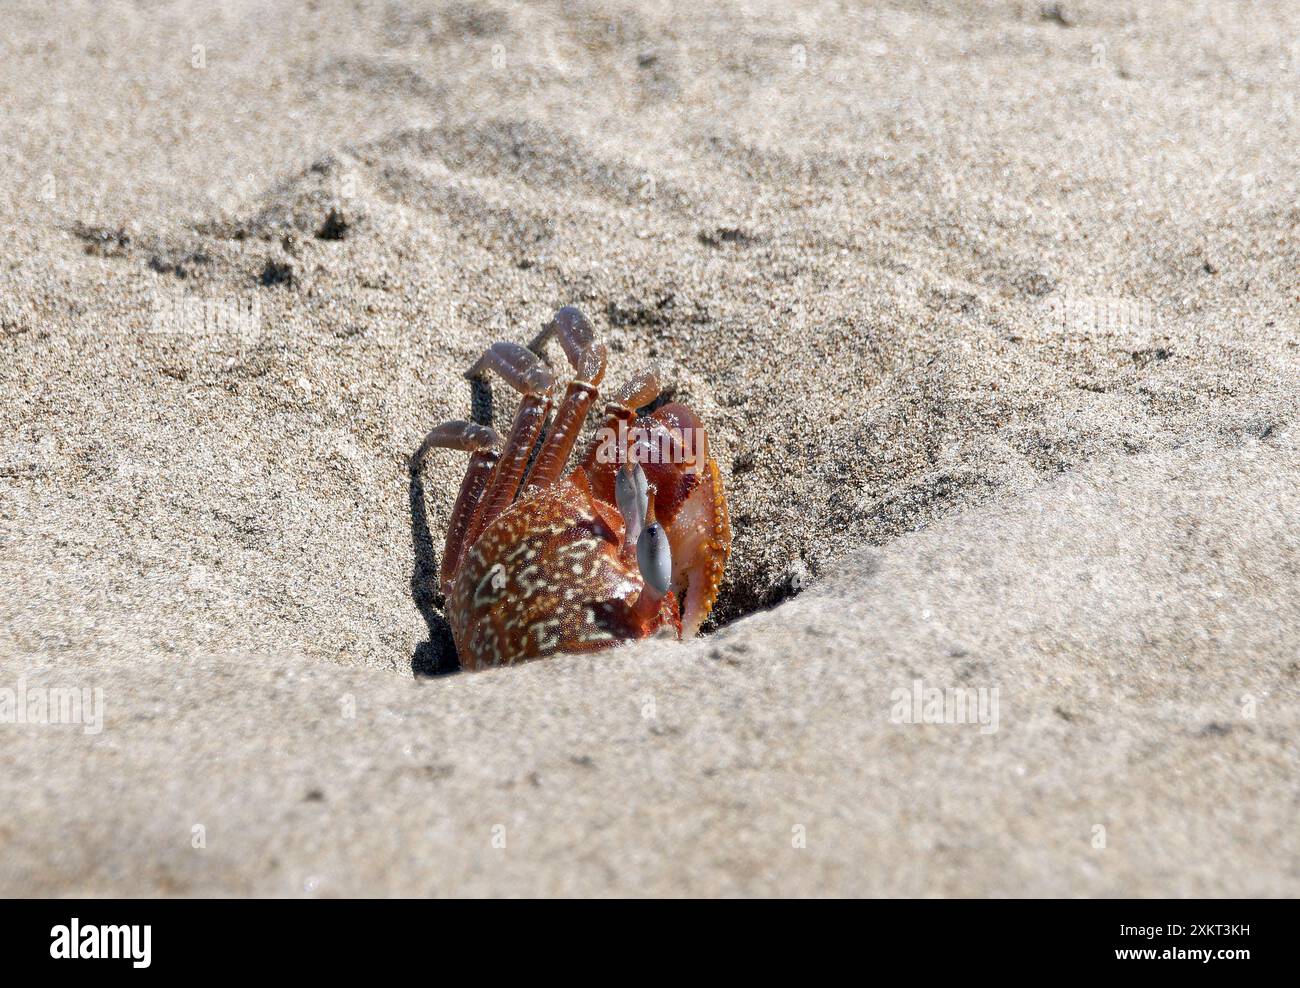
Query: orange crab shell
x=550 y=575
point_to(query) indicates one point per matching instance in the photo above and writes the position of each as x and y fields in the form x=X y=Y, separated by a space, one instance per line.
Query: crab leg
x=636 y=393
x=575 y=335
x=574 y=332
x=524 y=371
x=587 y=358
x=620 y=413
x=481 y=442
x=578 y=399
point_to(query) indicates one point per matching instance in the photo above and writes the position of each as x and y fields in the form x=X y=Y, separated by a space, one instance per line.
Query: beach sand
x=992 y=311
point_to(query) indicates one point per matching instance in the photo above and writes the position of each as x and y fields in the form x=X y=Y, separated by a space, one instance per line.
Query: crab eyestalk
x=630 y=494
x=654 y=556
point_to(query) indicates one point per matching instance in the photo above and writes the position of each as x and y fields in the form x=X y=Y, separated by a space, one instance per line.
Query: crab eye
x=655 y=558
x=630 y=495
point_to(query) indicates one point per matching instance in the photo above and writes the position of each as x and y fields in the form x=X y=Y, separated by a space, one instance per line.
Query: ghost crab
x=631 y=541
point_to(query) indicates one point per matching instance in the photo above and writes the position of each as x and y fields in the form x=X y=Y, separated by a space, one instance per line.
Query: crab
x=631 y=542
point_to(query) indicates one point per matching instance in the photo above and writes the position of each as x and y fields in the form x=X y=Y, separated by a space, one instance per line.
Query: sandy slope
x=1125 y=636
x=993 y=319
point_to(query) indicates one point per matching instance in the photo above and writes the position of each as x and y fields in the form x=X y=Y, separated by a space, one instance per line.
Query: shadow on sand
x=437 y=656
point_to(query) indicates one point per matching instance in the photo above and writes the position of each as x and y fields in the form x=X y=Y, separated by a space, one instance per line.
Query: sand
x=993 y=314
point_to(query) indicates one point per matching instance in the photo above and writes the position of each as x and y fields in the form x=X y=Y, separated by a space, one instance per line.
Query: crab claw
x=671 y=449
x=692 y=508
x=700 y=537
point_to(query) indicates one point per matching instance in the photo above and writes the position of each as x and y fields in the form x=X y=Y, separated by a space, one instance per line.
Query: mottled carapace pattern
x=549 y=575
